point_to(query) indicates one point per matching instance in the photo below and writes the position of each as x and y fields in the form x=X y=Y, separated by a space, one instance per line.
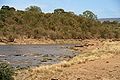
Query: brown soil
x=101 y=69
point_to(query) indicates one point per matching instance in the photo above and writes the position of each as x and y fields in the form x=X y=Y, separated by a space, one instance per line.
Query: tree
x=70 y=12
x=5 y=7
x=12 y=9
x=89 y=15
x=34 y=9
x=8 y=8
x=59 y=11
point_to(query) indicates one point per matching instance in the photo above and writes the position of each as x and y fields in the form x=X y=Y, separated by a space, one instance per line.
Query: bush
x=11 y=38
x=6 y=71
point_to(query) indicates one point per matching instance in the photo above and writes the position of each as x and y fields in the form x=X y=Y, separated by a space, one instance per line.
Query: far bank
x=50 y=41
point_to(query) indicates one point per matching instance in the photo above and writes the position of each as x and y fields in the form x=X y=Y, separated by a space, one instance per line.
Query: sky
x=102 y=8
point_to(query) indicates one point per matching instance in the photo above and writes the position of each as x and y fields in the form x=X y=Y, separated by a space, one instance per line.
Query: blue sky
x=102 y=8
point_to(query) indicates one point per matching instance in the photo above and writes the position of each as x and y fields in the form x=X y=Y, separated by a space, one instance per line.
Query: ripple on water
x=31 y=55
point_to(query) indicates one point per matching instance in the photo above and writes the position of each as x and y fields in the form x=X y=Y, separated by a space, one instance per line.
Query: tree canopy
x=33 y=9
x=58 y=11
x=7 y=8
x=90 y=15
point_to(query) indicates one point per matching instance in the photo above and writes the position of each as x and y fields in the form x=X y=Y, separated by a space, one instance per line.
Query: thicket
x=33 y=23
x=6 y=71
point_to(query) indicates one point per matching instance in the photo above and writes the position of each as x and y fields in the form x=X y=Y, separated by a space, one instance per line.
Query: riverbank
x=42 y=41
x=28 y=41
x=98 y=61
x=56 y=41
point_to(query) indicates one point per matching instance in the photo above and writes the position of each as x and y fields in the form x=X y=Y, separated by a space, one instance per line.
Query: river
x=33 y=55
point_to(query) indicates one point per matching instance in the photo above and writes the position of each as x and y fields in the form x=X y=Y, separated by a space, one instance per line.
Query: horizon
x=103 y=9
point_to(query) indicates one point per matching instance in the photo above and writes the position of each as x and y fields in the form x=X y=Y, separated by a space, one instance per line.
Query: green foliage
x=33 y=9
x=33 y=23
x=59 y=11
x=7 y=8
x=6 y=71
x=89 y=15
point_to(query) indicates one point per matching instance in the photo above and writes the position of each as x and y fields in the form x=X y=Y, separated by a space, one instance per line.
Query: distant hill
x=109 y=19
x=34 y=24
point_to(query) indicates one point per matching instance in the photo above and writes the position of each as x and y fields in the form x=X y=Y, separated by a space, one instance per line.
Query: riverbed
x=34 y=55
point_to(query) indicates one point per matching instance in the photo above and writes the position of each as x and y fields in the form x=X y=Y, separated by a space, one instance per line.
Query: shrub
x=6 y=71
x=11 y=38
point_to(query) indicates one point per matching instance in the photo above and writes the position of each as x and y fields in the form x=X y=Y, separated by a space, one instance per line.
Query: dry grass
x=105 y=50
x=43 y=41
x=68 y=41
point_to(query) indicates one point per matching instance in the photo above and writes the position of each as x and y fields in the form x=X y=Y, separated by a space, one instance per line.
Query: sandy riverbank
x=100 y=61
x=28 y=41
x=50 y=41
x=42 y=41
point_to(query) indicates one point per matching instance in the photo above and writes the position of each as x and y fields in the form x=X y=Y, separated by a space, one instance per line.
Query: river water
x=33 y=55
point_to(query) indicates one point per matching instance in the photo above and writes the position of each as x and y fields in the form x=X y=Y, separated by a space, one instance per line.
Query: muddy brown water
x=33 y=55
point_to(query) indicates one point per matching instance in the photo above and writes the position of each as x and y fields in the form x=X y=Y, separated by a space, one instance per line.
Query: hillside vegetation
x=35 y=24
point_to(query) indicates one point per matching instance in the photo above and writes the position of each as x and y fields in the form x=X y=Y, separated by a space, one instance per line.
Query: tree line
x=33 y=23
